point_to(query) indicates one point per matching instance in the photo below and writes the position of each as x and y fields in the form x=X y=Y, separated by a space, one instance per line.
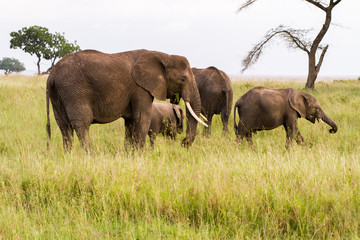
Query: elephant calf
x=264 y=108
x=167 y=119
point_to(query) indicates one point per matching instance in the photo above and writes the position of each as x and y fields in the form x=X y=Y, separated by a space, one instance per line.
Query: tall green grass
x=216 y=189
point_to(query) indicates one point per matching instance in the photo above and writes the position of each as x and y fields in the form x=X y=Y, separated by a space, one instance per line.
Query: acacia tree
x=59 y=47
x=45 y=45
x=32 y=40
x=297 y=39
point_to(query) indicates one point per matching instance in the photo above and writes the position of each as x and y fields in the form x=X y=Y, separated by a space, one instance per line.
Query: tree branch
x=317 y=4
x=293 y=37
x=318 y=66
x=336 y=3
x=246 y=5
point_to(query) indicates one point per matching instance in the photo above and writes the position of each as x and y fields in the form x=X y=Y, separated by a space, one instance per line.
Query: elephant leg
x=172 y=131
x=84 y=137
x=67 y=131
x=142 y=109
x=152 y=137
x=81 y=117
x=299 y=138
x=68 y=135
x=242 y=132
x=141 y=128
x=248 y=136
x=207 y=130
x=288 y=136
x=129 y=129
x=225 y=121
x=291 y=129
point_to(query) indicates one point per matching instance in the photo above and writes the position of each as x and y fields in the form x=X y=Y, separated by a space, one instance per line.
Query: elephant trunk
x=330 y=122
x=191 y=97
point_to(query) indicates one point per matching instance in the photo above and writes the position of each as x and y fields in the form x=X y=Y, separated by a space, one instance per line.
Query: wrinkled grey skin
x=216 y=95
x=167 y=119
x=264 y=108
x=90 y=87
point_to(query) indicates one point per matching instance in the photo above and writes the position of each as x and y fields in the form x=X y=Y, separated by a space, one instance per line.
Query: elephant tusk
x=203 y=117
x=194 y=115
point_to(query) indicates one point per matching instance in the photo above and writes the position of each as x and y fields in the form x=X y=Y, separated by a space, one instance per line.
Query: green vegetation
x=217 y=189
x=10 y=65
x=38 y=41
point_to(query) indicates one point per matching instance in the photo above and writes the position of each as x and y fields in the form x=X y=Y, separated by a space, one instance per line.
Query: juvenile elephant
x=166 y=118
x=264 y=108
x=90 y=87
x=216 y=95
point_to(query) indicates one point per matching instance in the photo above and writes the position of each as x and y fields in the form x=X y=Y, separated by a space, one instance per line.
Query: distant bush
x=10 y=65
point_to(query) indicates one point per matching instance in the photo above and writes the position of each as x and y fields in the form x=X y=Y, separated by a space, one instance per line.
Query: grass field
x=217 y=189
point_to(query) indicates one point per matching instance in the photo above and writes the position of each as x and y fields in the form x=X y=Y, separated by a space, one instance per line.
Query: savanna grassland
x=216 y=189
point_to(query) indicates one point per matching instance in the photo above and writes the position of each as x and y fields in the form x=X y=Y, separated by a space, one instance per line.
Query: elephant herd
x=90 y=87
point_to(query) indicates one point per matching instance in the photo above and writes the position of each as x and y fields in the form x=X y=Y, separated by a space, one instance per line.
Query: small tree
x=296 y=39
x=59 y=48
x=10 y=65
x=32 y=40
x=45 y=45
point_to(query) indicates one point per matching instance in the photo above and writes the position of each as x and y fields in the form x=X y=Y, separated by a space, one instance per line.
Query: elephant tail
x=48 y=129
x=235 y=107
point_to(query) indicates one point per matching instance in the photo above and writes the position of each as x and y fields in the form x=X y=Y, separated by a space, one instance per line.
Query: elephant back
x=215 y=89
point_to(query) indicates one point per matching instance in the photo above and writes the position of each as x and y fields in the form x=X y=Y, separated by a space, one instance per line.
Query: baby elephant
x=264 y=108
x=167 y=119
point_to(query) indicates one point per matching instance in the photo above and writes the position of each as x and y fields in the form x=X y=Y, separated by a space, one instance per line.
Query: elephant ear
x=179 y=114
x=297 y=101
x=148 y=72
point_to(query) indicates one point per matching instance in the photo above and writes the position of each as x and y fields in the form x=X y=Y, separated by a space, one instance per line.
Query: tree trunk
x=313 y=67
x=38 y=65
x=312 y=72
x=310 y=82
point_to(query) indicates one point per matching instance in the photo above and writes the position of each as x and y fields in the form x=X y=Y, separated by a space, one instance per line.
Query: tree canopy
x=38 y=41
x=10 y=65
x=59 y=48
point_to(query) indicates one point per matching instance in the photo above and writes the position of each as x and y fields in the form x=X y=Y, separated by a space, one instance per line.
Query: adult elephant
x=90 y=87
x=216 y=95
x=264 y=108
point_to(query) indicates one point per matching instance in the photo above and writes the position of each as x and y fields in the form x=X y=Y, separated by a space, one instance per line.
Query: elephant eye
x=183 y=79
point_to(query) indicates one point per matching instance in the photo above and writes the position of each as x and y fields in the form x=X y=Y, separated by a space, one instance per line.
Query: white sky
x=207 y=32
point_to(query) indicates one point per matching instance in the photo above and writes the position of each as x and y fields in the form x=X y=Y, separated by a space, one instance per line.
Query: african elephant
x=264 y=108
x=216 y=95
x=166 y=118
x=90 y=87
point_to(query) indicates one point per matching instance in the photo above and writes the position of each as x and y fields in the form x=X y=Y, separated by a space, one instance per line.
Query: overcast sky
x=207 y=32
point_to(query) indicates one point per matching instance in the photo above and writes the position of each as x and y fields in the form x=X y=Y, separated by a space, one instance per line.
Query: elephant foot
x=301 y=143
x=225 y=132
x=186 y=142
